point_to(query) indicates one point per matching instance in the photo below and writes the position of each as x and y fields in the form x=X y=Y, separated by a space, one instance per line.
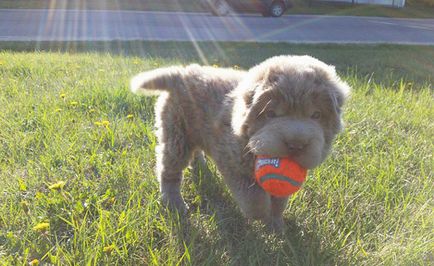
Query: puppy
x=285 y=106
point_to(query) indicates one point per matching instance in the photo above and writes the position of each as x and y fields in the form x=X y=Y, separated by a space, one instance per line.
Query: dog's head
x=290 y=106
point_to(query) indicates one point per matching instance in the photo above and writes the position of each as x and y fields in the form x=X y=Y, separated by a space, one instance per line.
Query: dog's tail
x=161 y=79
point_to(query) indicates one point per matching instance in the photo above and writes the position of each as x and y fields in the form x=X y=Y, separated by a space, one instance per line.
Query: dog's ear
x=251 y=96
x=247 y=95
x=242 y=109
x=338 y=90
x=339 y=94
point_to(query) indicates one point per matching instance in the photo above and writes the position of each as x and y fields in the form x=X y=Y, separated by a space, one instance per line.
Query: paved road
x=131 y=25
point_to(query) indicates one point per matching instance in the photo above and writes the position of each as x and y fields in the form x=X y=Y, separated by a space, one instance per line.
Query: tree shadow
x=379 y=62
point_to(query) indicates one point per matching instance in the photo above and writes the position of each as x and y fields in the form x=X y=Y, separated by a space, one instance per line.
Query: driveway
x=68 y=25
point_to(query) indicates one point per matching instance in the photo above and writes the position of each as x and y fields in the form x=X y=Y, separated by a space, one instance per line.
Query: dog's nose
x=295 y=147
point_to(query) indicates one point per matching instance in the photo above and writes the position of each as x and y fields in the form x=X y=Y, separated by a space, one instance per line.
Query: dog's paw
x=174 y=202
x=277 y=225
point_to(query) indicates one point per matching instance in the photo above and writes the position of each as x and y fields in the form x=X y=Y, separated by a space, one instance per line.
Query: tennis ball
x=280 y=177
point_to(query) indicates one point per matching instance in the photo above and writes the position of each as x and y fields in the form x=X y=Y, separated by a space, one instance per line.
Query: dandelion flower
x=62 y=95
x=109 y=249
x=58 y=185
x=34 y=262
x=111 y=201
x=58 y=110
x=73 y=103
x=22 y=185
x=41 y=227
x=215 y=65
x=105 y=123
x=130 y=116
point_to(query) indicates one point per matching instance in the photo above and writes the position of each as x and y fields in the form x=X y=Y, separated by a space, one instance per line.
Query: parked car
x=274 y=8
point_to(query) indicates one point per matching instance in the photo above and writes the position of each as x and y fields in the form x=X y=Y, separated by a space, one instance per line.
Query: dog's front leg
x=256 y=204
x=253 y=201
x=278 y=205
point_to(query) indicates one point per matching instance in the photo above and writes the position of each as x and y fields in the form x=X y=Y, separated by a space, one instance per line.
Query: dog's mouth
x=307 y=159
x=306 y=147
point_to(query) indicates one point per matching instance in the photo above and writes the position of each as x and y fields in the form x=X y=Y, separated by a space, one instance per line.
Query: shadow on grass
x=384 y=63
x=216 y=233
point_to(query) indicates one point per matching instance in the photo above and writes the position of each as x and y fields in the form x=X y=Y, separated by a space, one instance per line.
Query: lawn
x=413 y=9
x=76 y=164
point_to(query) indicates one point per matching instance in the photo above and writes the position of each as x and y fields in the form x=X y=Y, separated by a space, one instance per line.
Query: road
x=67 y=25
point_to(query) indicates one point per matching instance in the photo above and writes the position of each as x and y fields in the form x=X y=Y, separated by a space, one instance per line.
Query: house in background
x=393 y=3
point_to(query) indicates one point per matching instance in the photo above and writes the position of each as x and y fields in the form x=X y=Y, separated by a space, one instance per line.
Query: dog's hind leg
x=173 y=153
x=169 y=173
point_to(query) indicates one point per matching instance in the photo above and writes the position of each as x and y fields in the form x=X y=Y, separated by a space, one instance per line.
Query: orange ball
x=280 y=177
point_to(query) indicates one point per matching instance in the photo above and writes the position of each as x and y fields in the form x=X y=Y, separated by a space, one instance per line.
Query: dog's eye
x=270 y=114
x=316 y=115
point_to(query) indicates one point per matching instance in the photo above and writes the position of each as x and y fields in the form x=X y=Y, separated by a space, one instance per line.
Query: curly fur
x=285 y=106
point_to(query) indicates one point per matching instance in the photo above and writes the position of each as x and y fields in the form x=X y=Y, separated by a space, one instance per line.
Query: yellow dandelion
x=73 y=103
x=22 y=185
x=97 y=123
x=111 y=201
x=58 y=185
x=58 y=110
x=62 y=95
x=109 y=249
x=39 y=195
x=34 y=262
x=215 y=65
x=105 y=123
x=130 y=116
x=41 y=227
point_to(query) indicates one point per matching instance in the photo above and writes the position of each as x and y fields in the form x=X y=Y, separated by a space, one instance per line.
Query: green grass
x=383 y=63
x=411 y=10
x=141 y=5
x=370 y=203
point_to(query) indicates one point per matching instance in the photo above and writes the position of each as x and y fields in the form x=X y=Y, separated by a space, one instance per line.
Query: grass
x=76 y=167
x=148 y=5
x=411 y=10
x=383 y=63
x=144 y=5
